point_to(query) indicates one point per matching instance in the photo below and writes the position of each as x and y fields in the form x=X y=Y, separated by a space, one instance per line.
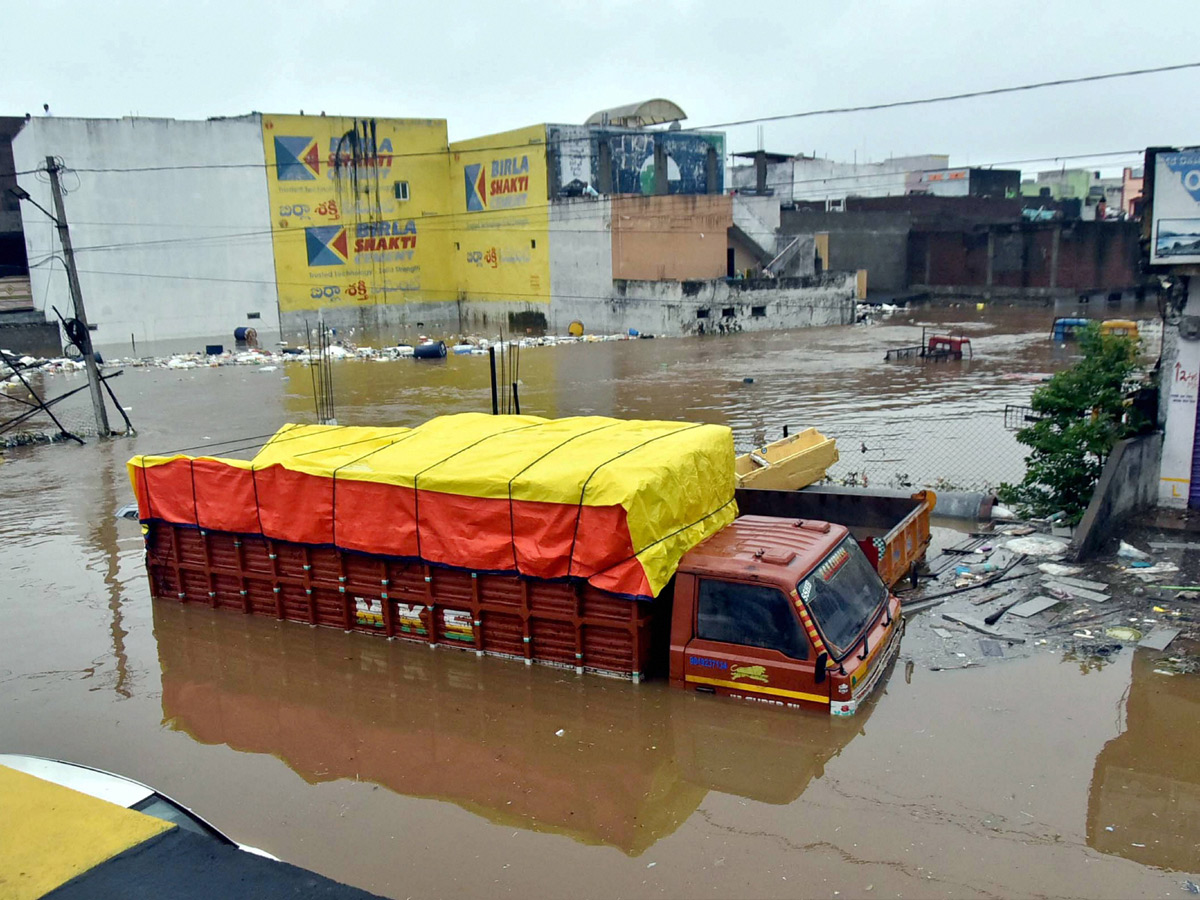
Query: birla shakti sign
x=503 y=185
x=343 y=230
x=501 y=217
x=1175 y=210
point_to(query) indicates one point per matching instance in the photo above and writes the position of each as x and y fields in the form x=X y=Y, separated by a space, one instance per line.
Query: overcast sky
x=491 y=66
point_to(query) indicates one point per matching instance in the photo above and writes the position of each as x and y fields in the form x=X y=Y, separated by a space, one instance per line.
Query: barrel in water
x=242 y=333
x=432 y=350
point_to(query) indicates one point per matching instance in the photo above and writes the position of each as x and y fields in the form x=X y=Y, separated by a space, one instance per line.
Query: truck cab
x=787 y=612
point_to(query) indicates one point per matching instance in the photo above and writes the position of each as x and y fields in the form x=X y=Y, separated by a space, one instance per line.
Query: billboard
x=1175 y=223
x=359 y=210
x=498 y=197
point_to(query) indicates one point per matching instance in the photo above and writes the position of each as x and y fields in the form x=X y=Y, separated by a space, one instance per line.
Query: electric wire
x=535 y=227
x=839 y=110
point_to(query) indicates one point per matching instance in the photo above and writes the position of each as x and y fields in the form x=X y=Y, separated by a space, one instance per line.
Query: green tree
x=1081 y=414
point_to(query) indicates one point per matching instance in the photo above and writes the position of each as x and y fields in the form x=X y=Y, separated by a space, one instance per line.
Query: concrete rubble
x=1000 y=594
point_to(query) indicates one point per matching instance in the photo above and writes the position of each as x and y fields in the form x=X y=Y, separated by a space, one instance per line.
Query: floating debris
x=1123 y=633
x=474 y=346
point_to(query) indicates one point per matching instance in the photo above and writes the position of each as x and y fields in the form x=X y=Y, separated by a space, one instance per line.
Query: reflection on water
x=910 y=793
x=632 y=763
x=1144 y=802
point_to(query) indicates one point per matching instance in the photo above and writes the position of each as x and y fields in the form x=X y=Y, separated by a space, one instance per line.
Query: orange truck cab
x=788 y=612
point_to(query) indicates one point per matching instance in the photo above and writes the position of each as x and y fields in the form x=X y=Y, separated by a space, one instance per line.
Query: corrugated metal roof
x=639 y=115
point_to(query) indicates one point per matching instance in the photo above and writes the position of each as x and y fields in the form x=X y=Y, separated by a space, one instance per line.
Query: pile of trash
x=11 y=364
x=283 y=352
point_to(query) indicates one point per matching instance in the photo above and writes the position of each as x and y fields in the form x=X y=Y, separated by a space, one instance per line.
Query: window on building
x=758 y=312
x=533 y=244
x=401 y=190
x=752 y=615
x=702 y=314
x=728 y=312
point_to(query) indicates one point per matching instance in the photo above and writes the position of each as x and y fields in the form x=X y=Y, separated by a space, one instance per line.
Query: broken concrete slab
x=991 y=647
x=1076 y=582
x=911 y=609
x=989 y=596
x=982 y=627
x=1000 y=558
x=1159 y=638
x=1034 y=606
x=1077 y=592
x=1058 y=569
x=1174 y=545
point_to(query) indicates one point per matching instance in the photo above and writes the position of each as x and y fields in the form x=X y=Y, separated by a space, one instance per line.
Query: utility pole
x=89 y=355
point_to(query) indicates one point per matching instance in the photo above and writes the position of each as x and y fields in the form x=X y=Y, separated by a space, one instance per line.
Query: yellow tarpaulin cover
x=615 y=501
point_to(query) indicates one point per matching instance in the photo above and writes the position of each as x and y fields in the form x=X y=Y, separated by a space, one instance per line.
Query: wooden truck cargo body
x=592 y=544
x=566 y=623
x=738 y=624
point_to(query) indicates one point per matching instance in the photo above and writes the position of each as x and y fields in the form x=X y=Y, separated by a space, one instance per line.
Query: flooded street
x=424 y=774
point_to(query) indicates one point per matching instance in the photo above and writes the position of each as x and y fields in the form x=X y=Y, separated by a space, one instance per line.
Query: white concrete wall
x=173 y=252
x=1179 y=390
x=824 y=179
x=779 y=179
x=581 y=251
x=669 y=308
x=759 y=218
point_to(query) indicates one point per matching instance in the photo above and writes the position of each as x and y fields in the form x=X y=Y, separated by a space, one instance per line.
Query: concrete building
x=13 y=262
x=1131 y=191
x=169 y=220
x=968 y=182
x=1170 y=227
x=22 y=328
x=968 y=246
x=658 y=264
x=806 y=178
x=876 y=241
x=187 y=230
x=1095 y=194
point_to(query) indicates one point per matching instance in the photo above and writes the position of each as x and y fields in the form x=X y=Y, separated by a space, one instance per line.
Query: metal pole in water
x=495 y=396
x=85 y=343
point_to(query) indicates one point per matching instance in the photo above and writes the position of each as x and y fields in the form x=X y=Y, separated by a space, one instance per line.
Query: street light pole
x=89 y=355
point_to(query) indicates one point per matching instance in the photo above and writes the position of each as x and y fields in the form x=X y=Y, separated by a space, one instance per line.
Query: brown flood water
x=413 y=772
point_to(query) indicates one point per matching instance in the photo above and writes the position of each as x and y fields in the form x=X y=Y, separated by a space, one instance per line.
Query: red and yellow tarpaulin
x=616 y=502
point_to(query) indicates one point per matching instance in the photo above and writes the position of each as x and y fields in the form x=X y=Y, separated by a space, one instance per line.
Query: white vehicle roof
x=95 y=783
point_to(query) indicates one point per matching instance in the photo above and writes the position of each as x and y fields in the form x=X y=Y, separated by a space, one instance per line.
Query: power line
x=945 y=98
x=551 y=226
x=561 y=141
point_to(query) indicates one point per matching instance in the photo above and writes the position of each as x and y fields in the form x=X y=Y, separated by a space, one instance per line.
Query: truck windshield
x=842 y=595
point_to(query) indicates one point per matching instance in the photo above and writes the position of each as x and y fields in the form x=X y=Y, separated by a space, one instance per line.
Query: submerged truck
x=597 y=544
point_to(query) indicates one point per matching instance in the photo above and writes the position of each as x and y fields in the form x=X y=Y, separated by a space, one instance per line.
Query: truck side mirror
x=822 y=662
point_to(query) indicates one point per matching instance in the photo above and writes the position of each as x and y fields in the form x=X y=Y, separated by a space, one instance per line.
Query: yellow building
x=383 y=211
x=359 y=210
x=498 y=194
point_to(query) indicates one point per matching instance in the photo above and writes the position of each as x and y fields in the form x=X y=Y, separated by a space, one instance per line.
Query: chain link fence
x=68 y=408
x=974 y=451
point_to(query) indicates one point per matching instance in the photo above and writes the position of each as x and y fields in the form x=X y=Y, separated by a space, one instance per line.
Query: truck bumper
x=849 y=706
